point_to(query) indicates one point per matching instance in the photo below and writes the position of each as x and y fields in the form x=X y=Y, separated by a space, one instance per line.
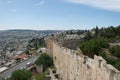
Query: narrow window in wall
x=77 y=68
x=100 y=63
x=88 y=67
x=55 y=57
x=85 y=60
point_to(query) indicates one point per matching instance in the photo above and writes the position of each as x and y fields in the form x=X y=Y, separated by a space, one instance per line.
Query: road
x=8 y=72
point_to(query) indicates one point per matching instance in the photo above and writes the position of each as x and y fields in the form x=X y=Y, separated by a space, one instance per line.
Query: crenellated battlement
x=73 y=65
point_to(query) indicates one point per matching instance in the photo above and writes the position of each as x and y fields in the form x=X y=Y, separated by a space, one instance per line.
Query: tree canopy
x=93 y=46
x=96 y=42
x=115 y=50
x=21 y=74
x=44 y=60
x=36 y=43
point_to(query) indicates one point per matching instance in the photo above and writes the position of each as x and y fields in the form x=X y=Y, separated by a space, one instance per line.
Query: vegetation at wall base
x=44 y=60
x=21 y=74
x=40 y=77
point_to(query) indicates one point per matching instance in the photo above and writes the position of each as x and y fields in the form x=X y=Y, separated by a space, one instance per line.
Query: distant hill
x=20 y=31
x=24 y=33
x=17 y=35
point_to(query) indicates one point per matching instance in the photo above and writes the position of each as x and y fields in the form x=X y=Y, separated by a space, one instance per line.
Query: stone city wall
x=72 y=65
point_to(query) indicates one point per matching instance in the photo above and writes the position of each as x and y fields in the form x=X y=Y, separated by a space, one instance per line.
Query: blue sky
x=58 y=14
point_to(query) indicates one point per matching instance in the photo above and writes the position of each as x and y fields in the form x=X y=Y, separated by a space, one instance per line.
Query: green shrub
x=93 y=46
x=44 y=60
x=21 y=75
x=117 y=64
x=40 y=77
x=115 y=51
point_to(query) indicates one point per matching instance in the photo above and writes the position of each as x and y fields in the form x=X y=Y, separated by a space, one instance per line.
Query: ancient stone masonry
x=72 y=65
x=49 y=45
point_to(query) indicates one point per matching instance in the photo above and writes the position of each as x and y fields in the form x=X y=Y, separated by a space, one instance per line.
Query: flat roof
x=3 y=68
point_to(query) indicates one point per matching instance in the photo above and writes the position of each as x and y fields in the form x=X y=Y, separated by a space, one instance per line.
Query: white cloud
x=10 y=1
x=113 y=5
x=40 y=3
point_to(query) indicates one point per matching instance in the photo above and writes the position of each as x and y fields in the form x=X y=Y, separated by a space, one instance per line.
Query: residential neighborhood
x=20 y=52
